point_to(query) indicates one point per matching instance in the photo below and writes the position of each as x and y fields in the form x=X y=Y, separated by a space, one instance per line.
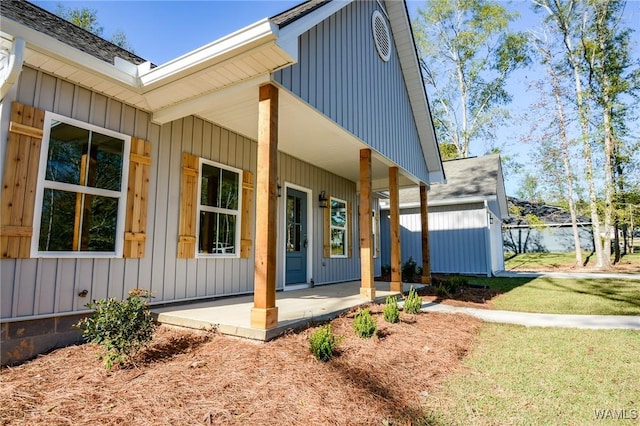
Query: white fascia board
x=260 y=32
x=50 y=46
x=289 y=35
x=201 y=103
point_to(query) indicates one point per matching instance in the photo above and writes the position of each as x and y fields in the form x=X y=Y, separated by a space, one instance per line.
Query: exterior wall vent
x=381 y=35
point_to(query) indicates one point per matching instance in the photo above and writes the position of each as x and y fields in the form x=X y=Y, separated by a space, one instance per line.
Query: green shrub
x=454 y=283
x=121 y=328
x=413 y=302
x=323 y=342
x=442 y=292
x=391 y=312
x=364 y=324
x=409 y=270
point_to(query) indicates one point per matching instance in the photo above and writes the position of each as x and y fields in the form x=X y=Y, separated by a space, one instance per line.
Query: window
x=218 y=210
x=81 y=198
x=338 y=227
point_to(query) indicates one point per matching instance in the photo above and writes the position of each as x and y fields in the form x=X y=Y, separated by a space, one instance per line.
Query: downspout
x=487 y=239
x=16 y=59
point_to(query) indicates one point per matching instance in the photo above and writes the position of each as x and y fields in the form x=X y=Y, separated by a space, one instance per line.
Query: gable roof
x=469 y=180
x=192 y=83
x=54 y=26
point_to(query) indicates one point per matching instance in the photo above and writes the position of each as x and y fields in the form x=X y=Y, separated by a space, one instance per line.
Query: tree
x=467 y=53
x=557 y=157
x=595 y=44
x=87 y=19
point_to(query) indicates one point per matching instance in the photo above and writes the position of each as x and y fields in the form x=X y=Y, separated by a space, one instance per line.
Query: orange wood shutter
x=135 y=235
x=188 y=206
x=326 y=230
x=19 y=180
x=246 y=229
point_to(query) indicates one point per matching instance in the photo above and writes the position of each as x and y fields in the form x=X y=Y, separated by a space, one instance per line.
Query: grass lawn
x=629 y=263
x=519 y=375
x=566 y=296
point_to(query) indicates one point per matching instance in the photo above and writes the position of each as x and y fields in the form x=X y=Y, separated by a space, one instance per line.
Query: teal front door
x=296 y=237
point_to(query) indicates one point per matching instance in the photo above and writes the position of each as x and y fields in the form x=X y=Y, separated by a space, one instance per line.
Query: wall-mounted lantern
x=323 y=201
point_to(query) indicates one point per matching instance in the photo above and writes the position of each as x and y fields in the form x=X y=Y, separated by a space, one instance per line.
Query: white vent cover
x=381 y=35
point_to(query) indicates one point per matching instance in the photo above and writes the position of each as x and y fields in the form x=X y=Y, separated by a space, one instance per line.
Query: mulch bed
x=188 y=377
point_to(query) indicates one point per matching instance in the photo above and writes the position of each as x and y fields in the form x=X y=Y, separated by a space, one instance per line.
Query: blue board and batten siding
x=368 y=97
x=41 y=287
x=459 y=239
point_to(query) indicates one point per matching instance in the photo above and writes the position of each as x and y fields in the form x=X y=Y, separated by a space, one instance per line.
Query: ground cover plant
x=519 y=375
x=189 y=378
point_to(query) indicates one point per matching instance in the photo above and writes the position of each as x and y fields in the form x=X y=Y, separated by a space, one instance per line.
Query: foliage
x=364 y=324
x=386 y=269
x=442 y=292
x=409 y=270
x=323 y=342
x=87 y=19
x=467 y=53
x=454 y=283
x=391 y=313
x=413 y=302
x=121 y=328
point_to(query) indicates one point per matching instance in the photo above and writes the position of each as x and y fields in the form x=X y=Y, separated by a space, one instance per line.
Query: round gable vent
x=381 y=35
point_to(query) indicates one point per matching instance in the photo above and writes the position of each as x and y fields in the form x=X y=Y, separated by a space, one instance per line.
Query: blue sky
x=160 y=31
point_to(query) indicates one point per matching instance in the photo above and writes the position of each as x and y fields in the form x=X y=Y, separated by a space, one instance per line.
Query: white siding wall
x=32 y=287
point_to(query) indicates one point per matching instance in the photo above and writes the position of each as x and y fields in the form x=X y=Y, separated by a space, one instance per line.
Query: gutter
x=15 y=62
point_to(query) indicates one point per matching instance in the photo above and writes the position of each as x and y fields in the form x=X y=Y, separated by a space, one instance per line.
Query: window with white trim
x=338 y=227
x=81 y=193
x=218 y=210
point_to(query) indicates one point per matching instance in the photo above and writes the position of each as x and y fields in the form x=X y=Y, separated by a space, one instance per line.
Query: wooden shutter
x=19 y=180
x=188 y=206
x=326 y=230
x=350 y=241
x=246 y=229
x=135 y=235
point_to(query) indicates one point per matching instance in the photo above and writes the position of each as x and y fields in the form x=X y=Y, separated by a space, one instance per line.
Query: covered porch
x=297 y=309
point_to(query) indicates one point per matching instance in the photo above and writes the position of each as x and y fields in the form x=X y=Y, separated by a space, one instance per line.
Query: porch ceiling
x=303 y=132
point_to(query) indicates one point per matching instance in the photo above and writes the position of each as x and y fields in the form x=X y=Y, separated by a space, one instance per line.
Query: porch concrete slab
x=297 y=309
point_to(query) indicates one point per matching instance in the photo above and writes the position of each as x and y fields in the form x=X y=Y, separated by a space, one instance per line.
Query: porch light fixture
x=279 y=188
x=323 y=201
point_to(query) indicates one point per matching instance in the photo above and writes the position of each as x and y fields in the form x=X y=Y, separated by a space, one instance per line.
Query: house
x=246 y=166
x=464 y=221
x=550 y=232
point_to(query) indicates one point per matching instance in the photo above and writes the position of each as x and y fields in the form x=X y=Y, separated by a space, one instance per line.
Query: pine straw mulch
x=189 y=377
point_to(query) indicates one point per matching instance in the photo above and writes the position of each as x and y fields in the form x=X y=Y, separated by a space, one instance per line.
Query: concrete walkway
x=630 y=322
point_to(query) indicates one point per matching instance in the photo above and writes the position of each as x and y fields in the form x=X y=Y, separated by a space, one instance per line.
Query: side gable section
x=340 y=73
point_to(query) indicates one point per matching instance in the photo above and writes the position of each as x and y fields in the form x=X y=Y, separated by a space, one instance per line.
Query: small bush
x=323 y=342
x=364 y=324
x=409 y=270
x=454 y=283
x=386 y=270
x=121 y=328
x=391 y=312
x=442 y=292
x=413 y=302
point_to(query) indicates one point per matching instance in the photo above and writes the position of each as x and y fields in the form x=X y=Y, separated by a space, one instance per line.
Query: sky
x=160 y=31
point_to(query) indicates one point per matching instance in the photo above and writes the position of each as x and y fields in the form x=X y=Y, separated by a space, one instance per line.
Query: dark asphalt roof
x=288 y=16
x=64 y=31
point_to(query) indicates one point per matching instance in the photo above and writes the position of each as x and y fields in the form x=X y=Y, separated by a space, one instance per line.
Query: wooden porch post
x=264 y=314
x=394 y=205
x=367 y=289
x=424 y=216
